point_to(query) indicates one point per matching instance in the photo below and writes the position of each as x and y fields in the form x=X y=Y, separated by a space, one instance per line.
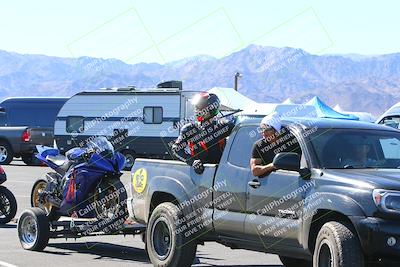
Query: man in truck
x=203 y=140
x=276 y=139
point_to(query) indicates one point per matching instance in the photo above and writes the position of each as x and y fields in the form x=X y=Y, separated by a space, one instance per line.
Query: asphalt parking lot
x=99 y=251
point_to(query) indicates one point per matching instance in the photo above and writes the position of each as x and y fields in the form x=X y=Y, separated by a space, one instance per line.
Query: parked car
x=318 y=209
x=25 y=123
x=8 y=203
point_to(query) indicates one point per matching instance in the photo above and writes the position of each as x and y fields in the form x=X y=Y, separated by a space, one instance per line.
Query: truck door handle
x=255 y=183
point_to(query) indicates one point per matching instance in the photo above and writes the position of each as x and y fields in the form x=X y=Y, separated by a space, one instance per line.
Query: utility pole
x=237 y=77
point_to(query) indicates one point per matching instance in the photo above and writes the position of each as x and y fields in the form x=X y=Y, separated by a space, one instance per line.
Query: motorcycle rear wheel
x=38 y=187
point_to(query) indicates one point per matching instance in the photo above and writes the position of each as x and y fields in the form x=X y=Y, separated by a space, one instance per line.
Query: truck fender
x=170 y=186
x=13 y=146
x=333 y=203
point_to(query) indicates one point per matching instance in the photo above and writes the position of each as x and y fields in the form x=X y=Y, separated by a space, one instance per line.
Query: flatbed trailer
x=77 y=228
x=35 y=229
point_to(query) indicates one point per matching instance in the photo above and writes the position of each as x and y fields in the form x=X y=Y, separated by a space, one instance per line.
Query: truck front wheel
x=337 y=246
x=167 y=245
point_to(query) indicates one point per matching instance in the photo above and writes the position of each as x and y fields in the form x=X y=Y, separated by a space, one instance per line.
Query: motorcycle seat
x=58 y=160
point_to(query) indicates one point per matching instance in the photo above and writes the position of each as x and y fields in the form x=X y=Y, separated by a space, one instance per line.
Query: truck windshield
x=350 y=148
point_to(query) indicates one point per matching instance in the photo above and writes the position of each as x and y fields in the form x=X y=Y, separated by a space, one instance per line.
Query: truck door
x=274 y=205
x=231 y=184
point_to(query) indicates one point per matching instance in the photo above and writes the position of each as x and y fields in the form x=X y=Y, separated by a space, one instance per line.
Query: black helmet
x=206 y=105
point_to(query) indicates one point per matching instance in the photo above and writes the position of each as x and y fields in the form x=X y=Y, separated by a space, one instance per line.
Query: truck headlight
x=387 y=200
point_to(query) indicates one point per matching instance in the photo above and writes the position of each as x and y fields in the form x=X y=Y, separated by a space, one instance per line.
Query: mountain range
x=269 y=74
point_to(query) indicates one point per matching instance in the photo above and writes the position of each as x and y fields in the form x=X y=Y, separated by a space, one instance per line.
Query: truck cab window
x=75 y=124
x=392 y=121
x=240 y=152
x=152 y=115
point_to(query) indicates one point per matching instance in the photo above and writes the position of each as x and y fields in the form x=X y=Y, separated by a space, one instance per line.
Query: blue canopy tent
x=324 y=111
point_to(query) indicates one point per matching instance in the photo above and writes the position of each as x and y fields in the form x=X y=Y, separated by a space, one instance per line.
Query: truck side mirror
x=289 y=161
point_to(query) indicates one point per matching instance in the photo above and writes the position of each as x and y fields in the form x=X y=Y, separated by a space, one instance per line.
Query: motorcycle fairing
x=84 y=182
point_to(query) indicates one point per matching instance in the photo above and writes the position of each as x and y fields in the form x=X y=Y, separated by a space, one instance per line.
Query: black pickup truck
x=21 y=141
x=24 y=123
x=335 y=203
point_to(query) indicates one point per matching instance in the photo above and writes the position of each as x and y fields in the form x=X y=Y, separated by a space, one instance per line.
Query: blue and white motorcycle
x=85 y=184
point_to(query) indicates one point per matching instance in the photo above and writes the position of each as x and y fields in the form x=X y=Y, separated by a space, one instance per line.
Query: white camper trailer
x=139 y=122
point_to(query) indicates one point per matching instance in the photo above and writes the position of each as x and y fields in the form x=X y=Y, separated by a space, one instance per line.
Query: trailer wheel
x=33 y=229
x=337 y=245
x=167 y=245
x=8 y=207
x=6 y=153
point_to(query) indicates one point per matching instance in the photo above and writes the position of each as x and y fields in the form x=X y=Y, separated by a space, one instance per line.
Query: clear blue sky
x=166 y=30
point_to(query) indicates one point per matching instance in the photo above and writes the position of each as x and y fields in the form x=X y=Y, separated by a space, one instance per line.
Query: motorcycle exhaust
x=56 y=202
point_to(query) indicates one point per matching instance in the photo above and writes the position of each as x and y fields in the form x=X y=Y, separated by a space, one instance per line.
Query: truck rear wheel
x=337 y=246
x=6 y=153
x=292 y=262
x=167 y=246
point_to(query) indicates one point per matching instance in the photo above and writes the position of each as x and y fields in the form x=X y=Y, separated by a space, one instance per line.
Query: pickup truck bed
x=21 y=142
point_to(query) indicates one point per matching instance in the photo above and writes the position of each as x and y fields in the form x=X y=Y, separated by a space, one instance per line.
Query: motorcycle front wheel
x=110 y=205
x=8 y=205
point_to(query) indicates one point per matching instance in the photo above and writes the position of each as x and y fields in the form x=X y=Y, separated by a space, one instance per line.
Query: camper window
x=152 y=115
x=75 y=124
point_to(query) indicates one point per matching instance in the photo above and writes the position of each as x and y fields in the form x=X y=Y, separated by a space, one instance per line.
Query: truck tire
x=337 y=245
x=33 y=229
x=6 y=153
x=8 y=205
x=166 y=245
x=292 y=262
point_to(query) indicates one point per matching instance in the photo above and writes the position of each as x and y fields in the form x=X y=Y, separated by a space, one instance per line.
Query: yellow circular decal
x=139 y=180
